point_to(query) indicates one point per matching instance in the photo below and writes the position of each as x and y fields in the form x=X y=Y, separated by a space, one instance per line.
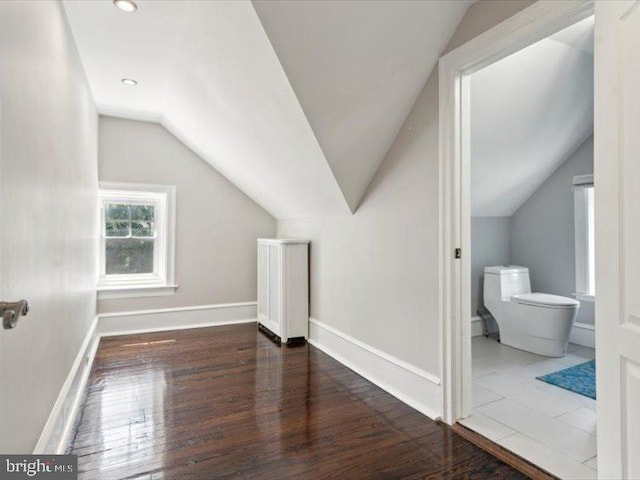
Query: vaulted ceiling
x=295 y=102
x=529 y=113
x=357 y=68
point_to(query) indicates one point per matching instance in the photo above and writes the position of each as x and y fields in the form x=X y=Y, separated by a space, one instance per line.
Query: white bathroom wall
x=529 y=111
x=542 y=231
x=540 y=236
x=489 y=246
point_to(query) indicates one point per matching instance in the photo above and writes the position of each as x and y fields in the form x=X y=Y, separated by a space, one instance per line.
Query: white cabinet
x=283 y=288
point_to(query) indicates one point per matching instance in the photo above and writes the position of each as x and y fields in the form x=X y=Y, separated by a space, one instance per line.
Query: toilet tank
x=502 y=282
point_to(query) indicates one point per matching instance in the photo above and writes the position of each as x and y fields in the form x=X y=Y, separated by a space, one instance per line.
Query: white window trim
x=162 y=281
x=582 y=185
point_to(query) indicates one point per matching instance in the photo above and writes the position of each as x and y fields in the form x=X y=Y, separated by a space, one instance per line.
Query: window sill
x=130 y=291
x=585 y=297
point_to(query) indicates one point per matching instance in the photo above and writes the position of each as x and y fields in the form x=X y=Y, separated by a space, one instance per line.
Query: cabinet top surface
x=283 y=240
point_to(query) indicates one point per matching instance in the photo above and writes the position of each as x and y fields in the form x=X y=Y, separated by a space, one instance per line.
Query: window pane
x=143 y=220
x=129 y=256
x=117 y=220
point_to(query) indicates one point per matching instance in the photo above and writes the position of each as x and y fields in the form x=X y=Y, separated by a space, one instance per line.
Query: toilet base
x=547 y=347
x=540 y=330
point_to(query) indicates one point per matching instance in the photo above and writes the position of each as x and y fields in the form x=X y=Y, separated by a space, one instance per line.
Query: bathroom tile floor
x=549 y=426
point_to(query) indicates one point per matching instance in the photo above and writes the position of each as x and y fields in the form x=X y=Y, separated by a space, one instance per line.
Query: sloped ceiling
x=207 y=72
x=357 y=67
x=301 y=140
x=529 y=112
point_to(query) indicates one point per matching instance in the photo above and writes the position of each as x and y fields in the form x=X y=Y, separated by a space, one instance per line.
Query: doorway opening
x=517 y=153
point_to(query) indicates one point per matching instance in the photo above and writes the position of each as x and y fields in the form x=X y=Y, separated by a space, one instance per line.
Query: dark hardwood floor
x=226 y=402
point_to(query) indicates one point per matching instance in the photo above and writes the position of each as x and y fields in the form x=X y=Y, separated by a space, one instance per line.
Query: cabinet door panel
x=274 y=288
x=263 y=282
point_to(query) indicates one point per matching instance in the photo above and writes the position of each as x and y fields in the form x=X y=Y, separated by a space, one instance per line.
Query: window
x=584 y=232
x=137 y=240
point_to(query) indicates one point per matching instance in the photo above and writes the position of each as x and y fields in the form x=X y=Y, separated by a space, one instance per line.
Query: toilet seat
x=545 y=300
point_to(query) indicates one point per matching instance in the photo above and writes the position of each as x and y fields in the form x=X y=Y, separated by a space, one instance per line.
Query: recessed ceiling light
x=129 y=81
x=128 y=6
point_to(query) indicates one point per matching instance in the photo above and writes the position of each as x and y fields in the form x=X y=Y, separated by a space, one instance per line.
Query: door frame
x=529 y=26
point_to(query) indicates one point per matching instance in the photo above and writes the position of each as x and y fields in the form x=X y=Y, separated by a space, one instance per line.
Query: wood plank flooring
x=226 y=402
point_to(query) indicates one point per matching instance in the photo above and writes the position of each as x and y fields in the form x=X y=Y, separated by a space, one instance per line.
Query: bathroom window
x=583 y=195
x=136 y=240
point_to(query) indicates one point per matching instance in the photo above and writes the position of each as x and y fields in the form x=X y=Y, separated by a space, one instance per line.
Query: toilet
x=536 y=322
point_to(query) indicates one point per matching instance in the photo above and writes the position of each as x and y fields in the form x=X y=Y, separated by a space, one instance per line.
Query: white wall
x=374 y=275
x=517 y=144
x=356 y=67
x=489 y=246
x=542 y=231
x=216 y=224
x=48 y=219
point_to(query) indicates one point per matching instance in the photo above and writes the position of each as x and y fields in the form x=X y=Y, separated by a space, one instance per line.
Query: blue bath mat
x=579 y=379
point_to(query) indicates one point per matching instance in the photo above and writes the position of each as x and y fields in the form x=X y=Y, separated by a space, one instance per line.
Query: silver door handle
x=12 y=311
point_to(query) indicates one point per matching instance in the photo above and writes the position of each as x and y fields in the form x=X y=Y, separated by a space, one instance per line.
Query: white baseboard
x=477 y=328
x=583 y=334
x=413 y=386
x=163 y=319
x=55 y=436
x=56 y=433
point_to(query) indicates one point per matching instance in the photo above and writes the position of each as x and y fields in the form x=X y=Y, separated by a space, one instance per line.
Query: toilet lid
x=545 y=300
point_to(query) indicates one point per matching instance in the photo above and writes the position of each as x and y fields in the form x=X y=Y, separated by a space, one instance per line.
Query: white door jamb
x=532 y=24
